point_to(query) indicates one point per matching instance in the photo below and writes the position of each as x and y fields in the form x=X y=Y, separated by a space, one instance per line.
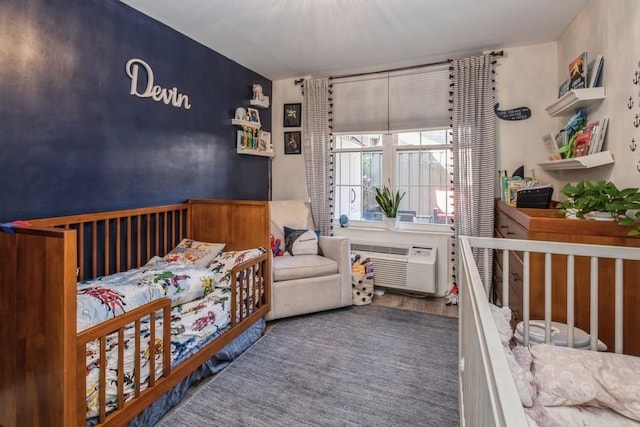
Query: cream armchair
x=307 y=283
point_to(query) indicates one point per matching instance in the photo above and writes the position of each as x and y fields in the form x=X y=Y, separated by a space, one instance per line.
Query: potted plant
x=389 y=203
x=592 y=199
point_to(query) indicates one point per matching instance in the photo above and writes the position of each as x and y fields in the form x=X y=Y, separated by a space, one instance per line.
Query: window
x=393 y=127
x=418 y=163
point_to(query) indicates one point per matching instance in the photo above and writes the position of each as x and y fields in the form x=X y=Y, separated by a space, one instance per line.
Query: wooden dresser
x=549 y=225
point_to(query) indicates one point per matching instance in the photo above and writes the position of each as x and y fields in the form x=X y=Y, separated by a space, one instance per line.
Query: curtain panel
x=317 y=146
x=474 y=149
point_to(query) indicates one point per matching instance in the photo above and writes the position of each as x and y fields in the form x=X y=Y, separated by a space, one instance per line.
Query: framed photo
x=292 y=115
x=264 y=141
x=293 y=142
x=253 y=115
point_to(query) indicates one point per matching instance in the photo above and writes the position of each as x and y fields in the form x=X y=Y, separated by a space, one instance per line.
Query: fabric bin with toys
x=361 y=279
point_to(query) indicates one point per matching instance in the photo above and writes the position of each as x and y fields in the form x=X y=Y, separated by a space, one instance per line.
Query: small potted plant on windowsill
x=389 y=203
x=602 y=200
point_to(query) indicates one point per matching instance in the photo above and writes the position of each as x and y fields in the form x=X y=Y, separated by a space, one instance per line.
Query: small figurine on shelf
x=241 y=114
x=259 y=96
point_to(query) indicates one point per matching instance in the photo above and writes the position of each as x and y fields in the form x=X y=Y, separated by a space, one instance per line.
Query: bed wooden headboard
x=114 y=241
x=38 y=287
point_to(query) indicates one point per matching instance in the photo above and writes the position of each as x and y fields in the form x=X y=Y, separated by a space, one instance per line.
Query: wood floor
x=429 y=304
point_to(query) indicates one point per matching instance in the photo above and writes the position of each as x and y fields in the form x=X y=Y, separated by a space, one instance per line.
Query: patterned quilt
x=193 y=324
x=201 y=301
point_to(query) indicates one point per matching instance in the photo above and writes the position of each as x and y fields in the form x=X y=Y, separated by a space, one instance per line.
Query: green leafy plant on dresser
x=587 y=199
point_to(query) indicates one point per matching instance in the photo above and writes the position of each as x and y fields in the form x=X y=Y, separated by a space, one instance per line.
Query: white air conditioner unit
x=412 y=268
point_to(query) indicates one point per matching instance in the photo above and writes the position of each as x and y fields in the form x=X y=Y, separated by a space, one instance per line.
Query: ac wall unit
x=412 y=268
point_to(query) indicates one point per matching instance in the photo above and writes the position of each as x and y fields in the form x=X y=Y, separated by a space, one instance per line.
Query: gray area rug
x=358 y=366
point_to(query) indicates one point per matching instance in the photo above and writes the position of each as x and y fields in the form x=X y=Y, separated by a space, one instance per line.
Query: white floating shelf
x=258 y=103
x=584 y=162
x=255 y=152
x=576 y=98
x=245 y=124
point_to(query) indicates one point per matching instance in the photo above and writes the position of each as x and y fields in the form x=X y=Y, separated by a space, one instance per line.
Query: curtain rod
x=344 y=76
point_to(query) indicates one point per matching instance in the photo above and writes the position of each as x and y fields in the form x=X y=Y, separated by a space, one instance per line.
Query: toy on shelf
x=259 y=99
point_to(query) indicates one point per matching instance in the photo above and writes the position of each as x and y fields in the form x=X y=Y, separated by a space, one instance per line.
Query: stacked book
x=591 y=138
x=588 y=141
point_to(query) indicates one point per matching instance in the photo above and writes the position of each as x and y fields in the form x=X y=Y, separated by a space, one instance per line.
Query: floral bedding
x=193 y=325
x=201 y=301
x=109 y=296
x=551 y=380
x=106 y=297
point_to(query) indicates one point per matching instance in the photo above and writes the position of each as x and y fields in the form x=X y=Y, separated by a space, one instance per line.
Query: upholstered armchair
x=306 y=282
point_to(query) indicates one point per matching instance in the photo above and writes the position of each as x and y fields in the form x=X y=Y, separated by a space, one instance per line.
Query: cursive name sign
x=155 y=92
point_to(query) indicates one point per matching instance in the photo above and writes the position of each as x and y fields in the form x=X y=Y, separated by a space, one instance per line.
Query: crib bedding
x=193 y=325
x=560 y=386
x=109 y=296
x=105 y=297
x=200 y=312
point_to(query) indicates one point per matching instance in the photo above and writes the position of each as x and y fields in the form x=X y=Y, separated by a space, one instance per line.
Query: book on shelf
x=593 y=126
x=594 y=71
x=583 y=141
x=563 y=89
x=578 y=72
x=551 y=147
x=601 y=131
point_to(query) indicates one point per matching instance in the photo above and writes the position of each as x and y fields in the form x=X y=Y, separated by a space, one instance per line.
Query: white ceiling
x=282 y=39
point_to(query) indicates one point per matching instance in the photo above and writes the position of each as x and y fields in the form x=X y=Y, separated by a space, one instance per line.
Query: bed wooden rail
x=109 y=242
x=117 y=325
x=41 y=352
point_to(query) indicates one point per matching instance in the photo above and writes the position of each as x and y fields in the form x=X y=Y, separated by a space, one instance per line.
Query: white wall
x=530 y=76
x=610 y=28
x=525 y=76
x=288 y=179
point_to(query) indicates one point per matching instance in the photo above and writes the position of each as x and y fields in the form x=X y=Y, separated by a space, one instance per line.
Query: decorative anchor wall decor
x=635 y=79
x=519 y=113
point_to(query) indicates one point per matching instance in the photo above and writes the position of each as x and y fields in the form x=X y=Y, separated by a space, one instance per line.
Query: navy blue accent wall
x=72 y=138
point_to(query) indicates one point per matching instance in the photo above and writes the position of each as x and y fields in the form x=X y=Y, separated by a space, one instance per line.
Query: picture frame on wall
x=293 y=142
x=292 y=115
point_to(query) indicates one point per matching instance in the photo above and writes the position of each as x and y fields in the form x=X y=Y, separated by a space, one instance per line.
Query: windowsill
x=411 y=227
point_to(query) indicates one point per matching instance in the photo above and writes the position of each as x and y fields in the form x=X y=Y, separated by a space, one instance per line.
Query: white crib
x=488 y=394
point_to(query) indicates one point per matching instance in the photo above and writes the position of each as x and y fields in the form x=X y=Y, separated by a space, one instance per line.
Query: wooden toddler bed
x=43 y=357
x=491 y=396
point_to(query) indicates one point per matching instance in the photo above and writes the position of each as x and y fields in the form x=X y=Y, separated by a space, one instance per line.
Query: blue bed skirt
x=221 y=360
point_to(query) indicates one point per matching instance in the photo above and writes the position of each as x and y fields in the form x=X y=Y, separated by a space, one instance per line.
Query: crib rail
x=110 y=242
x=248 y=290
x=487 y=393
x=155 y=310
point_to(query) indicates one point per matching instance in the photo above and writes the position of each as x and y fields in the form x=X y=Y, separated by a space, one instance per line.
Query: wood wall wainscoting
x=550 y=225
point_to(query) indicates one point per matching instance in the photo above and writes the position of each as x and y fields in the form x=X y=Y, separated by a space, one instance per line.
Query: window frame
x=390 y=150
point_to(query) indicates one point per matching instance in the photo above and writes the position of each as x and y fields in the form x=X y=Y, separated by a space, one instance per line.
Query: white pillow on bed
x=194 y=252
x=570 y=377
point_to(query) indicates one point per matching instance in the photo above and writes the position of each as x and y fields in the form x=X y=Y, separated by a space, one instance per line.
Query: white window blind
x=392 y=102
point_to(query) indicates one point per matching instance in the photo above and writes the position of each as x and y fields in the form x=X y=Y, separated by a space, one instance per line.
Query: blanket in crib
x=193 y=325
